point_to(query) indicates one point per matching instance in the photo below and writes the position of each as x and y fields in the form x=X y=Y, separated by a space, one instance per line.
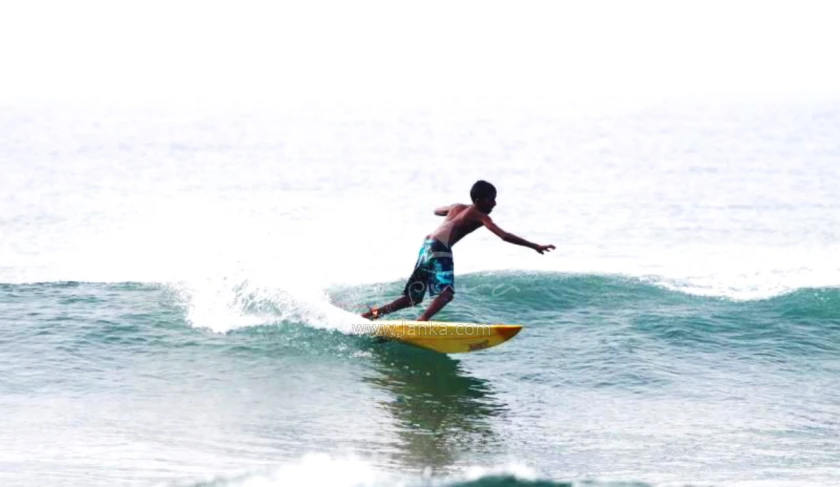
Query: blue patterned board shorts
x=434 y=271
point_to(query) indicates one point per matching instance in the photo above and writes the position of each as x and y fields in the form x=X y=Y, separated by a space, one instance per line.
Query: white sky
x=363 y=50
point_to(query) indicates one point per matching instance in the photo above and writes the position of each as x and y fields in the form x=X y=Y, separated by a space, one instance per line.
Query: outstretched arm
x=511 y=238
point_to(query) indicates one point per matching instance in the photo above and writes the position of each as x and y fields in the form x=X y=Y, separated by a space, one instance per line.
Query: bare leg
x=437 y=304
x=395 y=305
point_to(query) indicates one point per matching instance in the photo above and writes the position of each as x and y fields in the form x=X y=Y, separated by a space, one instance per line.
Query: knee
x=448 y=294
x=415 y=292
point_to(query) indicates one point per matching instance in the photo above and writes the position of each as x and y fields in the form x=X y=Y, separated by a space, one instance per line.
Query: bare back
x=461 y=220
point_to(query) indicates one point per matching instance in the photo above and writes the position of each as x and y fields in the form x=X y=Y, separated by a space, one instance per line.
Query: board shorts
x=433 y=272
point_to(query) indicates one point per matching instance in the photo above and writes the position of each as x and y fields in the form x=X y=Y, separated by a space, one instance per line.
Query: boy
x=434 y=267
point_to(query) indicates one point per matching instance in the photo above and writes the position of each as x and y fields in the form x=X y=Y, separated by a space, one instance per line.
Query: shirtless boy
x=434 y=270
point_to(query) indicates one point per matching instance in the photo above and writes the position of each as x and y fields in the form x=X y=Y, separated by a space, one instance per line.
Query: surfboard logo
x=479 y=346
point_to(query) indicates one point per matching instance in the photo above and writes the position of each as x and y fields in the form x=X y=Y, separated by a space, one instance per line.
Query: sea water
x=181 y=288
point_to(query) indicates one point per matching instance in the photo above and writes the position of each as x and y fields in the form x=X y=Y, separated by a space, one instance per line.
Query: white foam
x=317 y=470
x=226 y=303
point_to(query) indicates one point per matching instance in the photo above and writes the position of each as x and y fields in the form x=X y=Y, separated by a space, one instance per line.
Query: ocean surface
x=180 y=289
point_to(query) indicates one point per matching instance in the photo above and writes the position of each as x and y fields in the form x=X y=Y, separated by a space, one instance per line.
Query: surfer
x=434 y=270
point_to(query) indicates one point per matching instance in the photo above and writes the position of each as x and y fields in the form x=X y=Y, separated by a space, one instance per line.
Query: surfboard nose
x=508 y=331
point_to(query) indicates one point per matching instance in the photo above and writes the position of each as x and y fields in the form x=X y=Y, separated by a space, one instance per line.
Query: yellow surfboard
x=444 y=337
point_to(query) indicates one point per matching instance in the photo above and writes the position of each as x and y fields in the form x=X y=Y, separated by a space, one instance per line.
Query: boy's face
x=486 y=204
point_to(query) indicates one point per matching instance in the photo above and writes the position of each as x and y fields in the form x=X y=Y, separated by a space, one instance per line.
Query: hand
x=544 y=248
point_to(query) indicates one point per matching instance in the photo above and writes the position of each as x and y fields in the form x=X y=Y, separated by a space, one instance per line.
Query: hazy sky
x=360 y=50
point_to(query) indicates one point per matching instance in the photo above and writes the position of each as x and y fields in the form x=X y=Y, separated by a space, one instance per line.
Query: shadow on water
x=440 y=411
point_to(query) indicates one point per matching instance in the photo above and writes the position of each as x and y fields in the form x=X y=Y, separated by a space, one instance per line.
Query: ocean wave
x=225 y=305
x=323 y=470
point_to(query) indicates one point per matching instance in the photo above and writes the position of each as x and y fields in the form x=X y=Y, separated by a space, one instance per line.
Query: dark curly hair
x=482 y=189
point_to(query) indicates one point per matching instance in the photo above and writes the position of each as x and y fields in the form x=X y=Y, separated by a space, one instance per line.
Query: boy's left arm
x=444 y=210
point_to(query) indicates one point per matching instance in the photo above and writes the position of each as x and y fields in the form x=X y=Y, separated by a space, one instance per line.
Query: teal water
x=612 y=379
x=180 y=287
